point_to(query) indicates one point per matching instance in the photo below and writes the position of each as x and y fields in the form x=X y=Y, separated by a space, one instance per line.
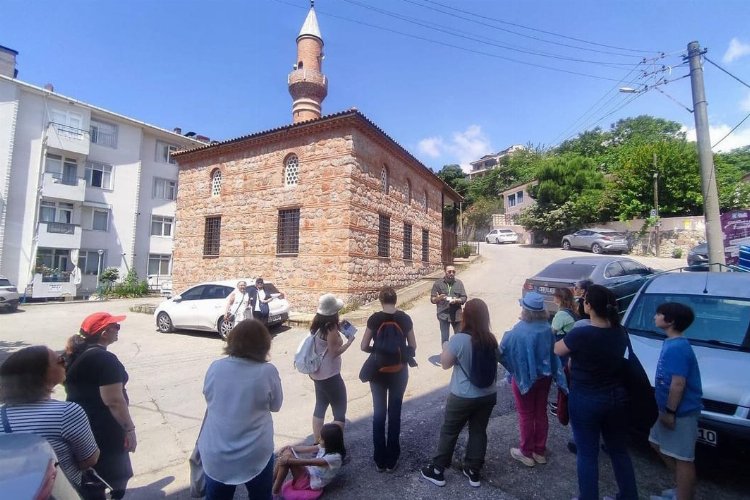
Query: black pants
x=330 y=392
x=263 y=318
x=387 y=397
x=459 y=411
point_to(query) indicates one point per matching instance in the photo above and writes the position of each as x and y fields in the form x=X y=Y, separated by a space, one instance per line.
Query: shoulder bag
x=642 y=410
x=197 y=476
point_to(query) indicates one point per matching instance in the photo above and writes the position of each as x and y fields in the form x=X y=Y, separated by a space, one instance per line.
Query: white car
x=202 y=307
x=501 y=236
x=9 y=296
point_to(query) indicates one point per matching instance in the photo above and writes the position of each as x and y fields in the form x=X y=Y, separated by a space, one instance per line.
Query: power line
x=725 y=71
x=528 y=28
x=730 y=132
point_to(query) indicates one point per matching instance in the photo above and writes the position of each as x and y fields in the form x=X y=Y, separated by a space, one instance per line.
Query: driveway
x=166 y=374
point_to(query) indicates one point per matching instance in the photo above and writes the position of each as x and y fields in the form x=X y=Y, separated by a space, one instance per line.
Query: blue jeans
x=258 y=488
x=445 y=326
x=594 y=413
x=387 y=396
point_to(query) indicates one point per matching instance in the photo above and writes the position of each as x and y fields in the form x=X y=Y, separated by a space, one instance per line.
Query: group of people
x=247 y=303
x=94 y=430
x=92 y=433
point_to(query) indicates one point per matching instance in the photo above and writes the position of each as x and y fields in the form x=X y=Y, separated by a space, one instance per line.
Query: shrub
x=130 y=286
x=462 y=251
x=677 y=253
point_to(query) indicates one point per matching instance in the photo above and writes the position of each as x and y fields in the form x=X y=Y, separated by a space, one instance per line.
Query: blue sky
x=448 y=94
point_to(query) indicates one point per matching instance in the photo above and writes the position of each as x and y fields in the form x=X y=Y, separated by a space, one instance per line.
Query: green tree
x=645 y=128
x=591 y=144
x=455 y=177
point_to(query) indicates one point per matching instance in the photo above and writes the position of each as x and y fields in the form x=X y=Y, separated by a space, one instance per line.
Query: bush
x=462 y=251
x=130 y=286
x=677 y=253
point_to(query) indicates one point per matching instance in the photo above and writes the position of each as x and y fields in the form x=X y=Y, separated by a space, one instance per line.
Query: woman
x=329 y=386
x=27 y=379
x=237 y=302
x=527 y=352
x=579 y=292
x=388 y=388
x=96 y=381
x=466 y=402
x=241 y=391
x=564 y=318
x=597 y=395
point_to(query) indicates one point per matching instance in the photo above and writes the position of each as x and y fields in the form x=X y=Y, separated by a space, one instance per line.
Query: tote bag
x=642 y=409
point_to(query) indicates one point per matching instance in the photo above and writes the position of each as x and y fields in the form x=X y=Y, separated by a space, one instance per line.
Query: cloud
x=745 y=103
x=736 y=50
x=738 y=138
x=462 y=148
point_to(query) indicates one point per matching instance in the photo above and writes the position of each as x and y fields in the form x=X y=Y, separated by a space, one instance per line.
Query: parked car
x=697 y=257
x=622 y=275
x=597 y=241
x=720 y=336
x=202 y=307
x=501 y=236
x=9 y=297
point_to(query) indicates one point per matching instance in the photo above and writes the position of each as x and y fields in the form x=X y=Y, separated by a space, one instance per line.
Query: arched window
x=216 y=182
x=299 y=65
x=384 y=180
x=408 y=192
x=291 y=170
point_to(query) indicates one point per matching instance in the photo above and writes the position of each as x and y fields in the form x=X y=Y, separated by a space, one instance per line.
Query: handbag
x=197 y=475
x=369 y=368
x=642 y=410
x=563 y=416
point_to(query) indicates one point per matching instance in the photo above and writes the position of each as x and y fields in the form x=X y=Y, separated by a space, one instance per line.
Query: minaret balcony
x=308 y=76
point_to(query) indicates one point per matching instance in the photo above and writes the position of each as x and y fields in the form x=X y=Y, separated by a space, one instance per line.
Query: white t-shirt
x=241 y=302
x=321 y=476
x=261 y=296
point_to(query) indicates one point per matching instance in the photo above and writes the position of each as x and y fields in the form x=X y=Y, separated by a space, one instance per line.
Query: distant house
x=515 y=199
x=486 y=163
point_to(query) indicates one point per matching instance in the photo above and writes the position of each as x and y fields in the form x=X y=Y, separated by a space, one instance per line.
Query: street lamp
x=99 y=269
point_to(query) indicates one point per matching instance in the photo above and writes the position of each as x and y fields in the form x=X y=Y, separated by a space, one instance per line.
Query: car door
x=211 y=306
x=579 y=239
x=615 y=279
x=184 y=310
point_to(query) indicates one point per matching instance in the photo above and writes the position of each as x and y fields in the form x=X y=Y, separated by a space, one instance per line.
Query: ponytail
x=604 y=303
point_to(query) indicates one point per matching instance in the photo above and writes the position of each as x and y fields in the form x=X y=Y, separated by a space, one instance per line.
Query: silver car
x=720 y=336
x=597 y=240
x=9 y=296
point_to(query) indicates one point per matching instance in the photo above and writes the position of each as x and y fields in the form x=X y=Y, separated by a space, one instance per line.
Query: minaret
x=307 y=84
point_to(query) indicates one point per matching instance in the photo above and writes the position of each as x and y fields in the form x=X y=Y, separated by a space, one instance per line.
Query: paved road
x=166 y=373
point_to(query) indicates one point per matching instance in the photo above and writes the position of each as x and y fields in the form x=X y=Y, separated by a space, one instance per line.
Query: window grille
x=287 y=236
x=384 y=180
x=407 y=241
x=291 y=171
x=384 y=236
x=425 y=245
x=216 y=183
x=212 y=237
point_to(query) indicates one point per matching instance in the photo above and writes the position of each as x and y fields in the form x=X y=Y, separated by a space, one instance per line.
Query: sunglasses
x=114 y=326
x=61 y=360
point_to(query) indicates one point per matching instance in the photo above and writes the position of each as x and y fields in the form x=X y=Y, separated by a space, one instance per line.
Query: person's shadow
x=434 y=359
x=153 y=490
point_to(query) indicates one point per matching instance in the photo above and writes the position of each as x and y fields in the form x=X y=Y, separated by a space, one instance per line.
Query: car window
x=613 y=270
x=583 y=233
x=4 y=282
x=721 y=319
x=567 y=271
x=194 y=293
x=632 y=267
x=505 y=231
x=270 y=288
x=216 y=292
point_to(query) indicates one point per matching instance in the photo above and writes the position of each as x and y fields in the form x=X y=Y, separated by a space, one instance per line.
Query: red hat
x=95 y=323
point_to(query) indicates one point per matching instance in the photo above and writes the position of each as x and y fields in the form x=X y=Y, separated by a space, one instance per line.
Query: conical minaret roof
x=310 y=27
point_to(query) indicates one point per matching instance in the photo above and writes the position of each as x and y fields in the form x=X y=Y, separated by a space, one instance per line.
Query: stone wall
x=674 y=233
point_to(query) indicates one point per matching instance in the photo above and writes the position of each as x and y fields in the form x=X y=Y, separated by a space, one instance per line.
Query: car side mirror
x=177 y=298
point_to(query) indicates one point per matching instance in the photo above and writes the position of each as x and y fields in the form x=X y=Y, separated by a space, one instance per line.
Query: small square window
x=100 y=221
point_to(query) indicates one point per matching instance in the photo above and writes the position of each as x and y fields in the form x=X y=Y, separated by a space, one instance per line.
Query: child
x=678 y=394
x=310 y=475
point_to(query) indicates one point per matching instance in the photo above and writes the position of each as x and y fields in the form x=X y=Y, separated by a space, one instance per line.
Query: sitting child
x=309 y=475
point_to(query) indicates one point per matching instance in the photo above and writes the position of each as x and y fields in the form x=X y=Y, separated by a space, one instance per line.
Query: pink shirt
x=331 y=365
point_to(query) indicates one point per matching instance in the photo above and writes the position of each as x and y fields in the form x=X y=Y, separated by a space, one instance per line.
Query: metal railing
x=69 y=132
x=61 y=228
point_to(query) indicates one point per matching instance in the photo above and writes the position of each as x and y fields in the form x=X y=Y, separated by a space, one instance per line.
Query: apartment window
x=164 y=152
x=88 y=261
x=216 y=182
x=519 y=197
x=164 y=189
x=51 y=211
x=384 y=236
x=212 y=237
x=159 y=264
x=291 y=171
x=161 y=226
x=99 y=175
x=425 y=245
x=384 y=180
x=512 y=200
x=407 y=241
x=64 y=170
x=287 y=236
x=103 y=133
x=53 y=258
x=68 y=124
x=100 y=221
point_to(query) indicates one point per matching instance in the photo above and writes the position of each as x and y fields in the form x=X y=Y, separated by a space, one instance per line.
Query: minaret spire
x=308 y=85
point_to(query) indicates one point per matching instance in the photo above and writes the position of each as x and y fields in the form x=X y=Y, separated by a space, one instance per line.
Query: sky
x=450 y=80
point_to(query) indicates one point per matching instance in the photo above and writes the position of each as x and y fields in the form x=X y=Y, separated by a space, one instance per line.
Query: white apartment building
x=81 y=189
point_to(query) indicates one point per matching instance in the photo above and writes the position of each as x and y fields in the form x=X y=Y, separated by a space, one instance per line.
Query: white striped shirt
x=63 y=424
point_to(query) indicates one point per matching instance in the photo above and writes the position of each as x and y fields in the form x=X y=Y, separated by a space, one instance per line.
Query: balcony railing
x=67 y=179
x=61 y=228
x=69 y=132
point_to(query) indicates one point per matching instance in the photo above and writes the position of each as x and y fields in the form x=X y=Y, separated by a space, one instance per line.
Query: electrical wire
x=725 y=71
x=528 y=28
x=730 y=132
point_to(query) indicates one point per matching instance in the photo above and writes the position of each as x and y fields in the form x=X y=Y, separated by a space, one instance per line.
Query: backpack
x=307 y=360
x=389 y=347
x=483 y=371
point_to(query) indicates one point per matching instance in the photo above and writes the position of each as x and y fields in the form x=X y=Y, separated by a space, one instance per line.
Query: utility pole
x=656 y=204
x=714 y=235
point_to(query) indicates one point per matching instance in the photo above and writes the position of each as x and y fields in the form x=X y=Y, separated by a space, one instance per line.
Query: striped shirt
x=63 y=424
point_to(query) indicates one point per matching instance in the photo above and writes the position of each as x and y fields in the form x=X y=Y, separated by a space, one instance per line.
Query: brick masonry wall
x=339 y=197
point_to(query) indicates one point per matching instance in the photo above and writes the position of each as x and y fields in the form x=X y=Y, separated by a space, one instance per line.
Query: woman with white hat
x=329 y=386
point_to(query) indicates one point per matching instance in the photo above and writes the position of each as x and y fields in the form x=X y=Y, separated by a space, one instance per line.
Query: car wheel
x=224 y=327
x=596 y=248
x=566 y=245
x=164 y=323
x=487 y=240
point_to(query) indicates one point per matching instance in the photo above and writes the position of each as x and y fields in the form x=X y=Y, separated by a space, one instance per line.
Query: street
x=166 y=374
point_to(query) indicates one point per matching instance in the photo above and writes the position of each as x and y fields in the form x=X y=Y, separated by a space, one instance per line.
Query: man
x=448 y=295
x=259 y=300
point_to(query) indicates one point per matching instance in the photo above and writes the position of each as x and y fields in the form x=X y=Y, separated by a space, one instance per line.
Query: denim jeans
x=594 y=413
x=258 y=488
x=445 y=327
x=459 y=411
x=387 y=396
x=532 y=416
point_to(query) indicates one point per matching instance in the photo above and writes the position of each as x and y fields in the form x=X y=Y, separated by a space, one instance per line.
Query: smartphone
x=348 y=329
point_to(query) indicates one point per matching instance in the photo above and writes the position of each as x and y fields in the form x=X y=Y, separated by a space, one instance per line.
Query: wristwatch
x=670 y=411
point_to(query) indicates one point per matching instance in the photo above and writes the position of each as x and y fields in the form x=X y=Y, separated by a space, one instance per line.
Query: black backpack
x=389 y=347
x=483 y=371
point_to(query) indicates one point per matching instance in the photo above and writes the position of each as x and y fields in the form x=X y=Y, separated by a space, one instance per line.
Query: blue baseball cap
x=532 y=301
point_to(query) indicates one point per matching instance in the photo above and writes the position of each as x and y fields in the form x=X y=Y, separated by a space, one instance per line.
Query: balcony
x=59 y=235
x=63 y=187
x=67 y=138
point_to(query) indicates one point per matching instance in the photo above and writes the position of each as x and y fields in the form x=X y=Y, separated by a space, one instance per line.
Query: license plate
x=707 y=436
x=275 y=318
x=546 y=289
